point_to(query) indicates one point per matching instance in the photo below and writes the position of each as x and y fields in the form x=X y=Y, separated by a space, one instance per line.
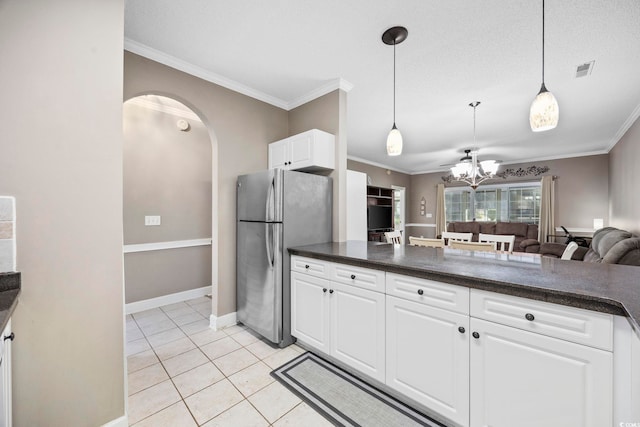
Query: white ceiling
x=287 y=52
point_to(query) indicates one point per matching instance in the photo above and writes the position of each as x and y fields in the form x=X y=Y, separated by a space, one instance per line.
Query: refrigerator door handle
x=268 y=239
x=270 y=206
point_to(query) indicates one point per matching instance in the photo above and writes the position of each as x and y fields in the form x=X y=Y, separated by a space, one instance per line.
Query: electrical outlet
x=429 y=215
x=152 y=220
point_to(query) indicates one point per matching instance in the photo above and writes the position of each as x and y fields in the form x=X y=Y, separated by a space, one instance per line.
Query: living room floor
x=182 y=373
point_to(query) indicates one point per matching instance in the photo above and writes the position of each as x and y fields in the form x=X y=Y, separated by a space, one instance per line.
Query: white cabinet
x=428 y=356
x=525 y=379
x=5 y=376
x=339 y=319
x=309 y=151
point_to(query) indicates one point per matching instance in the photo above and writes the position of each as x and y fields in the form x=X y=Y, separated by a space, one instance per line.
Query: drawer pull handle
x=461 y=329
x=420 y=292
x=9 y=337
x=324 y=289
x=306 y=266
x=529 y=317
x=353 y=277
x=476 y=335
x=330 y=291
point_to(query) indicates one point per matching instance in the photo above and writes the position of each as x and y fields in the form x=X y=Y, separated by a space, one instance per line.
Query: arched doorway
x=169 y=189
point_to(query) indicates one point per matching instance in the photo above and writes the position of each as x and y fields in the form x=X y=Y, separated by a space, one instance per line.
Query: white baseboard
x=135 y=307
x=118 y=422
x=216 y=323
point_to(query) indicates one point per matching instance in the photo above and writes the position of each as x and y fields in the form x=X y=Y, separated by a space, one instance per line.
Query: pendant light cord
x=394 y=82
x=542 y=41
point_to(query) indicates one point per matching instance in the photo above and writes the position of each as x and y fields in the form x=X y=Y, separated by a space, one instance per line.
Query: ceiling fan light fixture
x=394 y=36
x=394 y=142
x=544 y=112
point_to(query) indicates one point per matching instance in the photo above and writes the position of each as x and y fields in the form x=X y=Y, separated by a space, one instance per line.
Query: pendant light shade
x=394 y=142
x=544 y=112
x=394 y=36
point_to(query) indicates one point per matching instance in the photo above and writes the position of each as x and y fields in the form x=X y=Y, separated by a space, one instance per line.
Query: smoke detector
x=585 y=69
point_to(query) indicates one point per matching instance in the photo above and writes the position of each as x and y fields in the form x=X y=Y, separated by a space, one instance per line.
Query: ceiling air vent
x=584 y=70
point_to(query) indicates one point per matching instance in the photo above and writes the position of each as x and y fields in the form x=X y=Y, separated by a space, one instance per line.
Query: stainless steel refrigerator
x=276 y=209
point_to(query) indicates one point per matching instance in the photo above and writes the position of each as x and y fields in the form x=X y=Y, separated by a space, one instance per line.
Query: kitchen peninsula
x=475 y=338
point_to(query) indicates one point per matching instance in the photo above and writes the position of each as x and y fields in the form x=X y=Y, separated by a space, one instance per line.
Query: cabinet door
x=279 y=154
x=357 y=329
x=524 y=379
x=428 y=357
x=300 y=151
x=310 y=310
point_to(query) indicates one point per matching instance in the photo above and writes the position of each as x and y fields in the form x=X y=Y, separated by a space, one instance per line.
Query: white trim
x=624 y=128
x=421 y=225
x=118 y=422
x=141 y=101
x=380 y=165
x=224 y=321
x=517 y=184
x=322 y=90
x=158 y=246
x=179 y=64
x=576 y=230
x=148 y=304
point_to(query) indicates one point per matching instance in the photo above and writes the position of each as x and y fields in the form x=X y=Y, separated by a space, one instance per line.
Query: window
x=508 y=202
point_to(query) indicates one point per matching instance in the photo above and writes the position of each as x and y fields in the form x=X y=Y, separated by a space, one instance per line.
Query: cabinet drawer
x=429 y=292
x=313 y=267
x=568 y=323
x=364 y=278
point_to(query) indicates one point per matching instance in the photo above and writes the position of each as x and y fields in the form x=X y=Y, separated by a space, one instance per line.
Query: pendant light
x=394 y=36
x=544 y=111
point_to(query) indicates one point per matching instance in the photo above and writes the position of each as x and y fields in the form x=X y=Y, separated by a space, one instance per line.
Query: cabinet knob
x=353 y=276
x=420 y=292
x=306 y=266
x=330 y=291
x=529 y=317
x=476 y=335
x=461 y=329
x=324 y=289
x=9 y=337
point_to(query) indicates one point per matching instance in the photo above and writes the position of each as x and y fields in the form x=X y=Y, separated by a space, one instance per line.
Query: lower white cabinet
x=343 y=321
x=428 y=356
x=5 y=376
x=520 y=378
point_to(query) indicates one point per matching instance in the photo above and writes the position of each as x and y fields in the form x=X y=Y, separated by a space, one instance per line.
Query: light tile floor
x=181 y=373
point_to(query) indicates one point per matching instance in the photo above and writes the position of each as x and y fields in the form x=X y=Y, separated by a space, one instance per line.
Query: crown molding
x=140 y=101
x=180 y=65
x=624 y=128
x=379 y=165
x=184 y=66
x=322 y=90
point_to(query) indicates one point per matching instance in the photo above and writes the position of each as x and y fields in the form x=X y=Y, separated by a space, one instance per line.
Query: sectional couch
x=526 y=234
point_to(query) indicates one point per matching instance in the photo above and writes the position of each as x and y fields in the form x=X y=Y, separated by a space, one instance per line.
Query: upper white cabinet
x=310 y=151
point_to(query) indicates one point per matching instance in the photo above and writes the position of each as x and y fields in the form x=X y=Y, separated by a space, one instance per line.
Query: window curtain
x=441 y=222
x=547 y=224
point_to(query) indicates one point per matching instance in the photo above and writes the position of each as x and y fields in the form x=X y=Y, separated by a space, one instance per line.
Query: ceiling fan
x=466 y=158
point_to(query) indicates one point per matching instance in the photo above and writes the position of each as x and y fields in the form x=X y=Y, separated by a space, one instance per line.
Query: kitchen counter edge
x=10 y=284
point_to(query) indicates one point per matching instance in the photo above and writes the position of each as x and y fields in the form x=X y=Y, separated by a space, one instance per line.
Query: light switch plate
x=152 y=220
x=429 y=215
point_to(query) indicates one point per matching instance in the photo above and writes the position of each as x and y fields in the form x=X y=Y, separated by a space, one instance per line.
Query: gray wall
x=381 y=177
x=240 y=129
x=61 y=121
x=328 y=113
x=581 y=190
x=167 y=172
x=624 y=178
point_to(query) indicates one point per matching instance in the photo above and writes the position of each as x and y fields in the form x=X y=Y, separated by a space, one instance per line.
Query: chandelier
x=469 y=170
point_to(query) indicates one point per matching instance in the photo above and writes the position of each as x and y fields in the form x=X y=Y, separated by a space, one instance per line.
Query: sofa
x=526 y=234
x=609 y=245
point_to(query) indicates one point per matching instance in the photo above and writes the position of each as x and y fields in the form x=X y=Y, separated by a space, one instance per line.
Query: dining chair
x=473 y=246
x=450 y=236
x=394 y=237
x=501 y=241
x=569 y=250
x=423 y=241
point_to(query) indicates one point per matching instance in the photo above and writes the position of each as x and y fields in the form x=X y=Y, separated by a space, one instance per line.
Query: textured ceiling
x=286 y=51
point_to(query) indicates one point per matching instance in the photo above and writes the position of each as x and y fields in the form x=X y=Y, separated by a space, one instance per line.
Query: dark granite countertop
x=9 y=292
x=606 y=288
